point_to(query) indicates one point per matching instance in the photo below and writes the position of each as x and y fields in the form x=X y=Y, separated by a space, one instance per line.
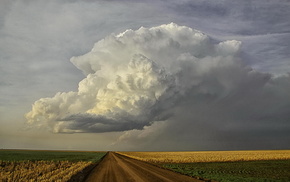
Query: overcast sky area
x=145 y=75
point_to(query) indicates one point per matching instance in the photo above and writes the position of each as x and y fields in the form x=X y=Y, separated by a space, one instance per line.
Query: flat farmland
x=270 y=165
x=221 y=166
x=49 y=155
x=29 y=165
x=209 y=156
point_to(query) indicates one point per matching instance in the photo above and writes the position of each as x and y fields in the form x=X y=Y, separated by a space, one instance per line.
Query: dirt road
x=117 y=168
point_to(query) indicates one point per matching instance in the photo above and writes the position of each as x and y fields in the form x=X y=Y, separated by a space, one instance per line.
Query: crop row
x=269 y=170
x=40 y=170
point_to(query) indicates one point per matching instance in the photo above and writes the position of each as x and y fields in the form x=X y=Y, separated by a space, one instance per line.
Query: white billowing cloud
x=168 y=74
x=107 y=103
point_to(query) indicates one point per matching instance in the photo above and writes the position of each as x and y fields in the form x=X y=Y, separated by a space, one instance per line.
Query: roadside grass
x=33 y=155
x=46 y=166
x=240 y=171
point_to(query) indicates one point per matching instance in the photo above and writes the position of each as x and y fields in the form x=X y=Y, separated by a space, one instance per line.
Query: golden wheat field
x=45 y=171
x=208 y=156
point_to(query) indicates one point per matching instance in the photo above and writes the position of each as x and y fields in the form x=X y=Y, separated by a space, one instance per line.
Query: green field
x=242 y=171
x=32 y=155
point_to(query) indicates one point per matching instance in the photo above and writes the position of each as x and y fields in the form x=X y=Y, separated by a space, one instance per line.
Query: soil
x=118 y=168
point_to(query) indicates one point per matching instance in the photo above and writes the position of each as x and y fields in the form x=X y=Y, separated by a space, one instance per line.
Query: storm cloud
x=174 y=75
x=197 y=97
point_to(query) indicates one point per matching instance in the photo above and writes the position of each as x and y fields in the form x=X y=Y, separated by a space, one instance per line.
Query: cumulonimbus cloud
x=136 y=78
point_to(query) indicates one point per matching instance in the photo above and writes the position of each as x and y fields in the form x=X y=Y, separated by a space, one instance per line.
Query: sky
x=145 y=75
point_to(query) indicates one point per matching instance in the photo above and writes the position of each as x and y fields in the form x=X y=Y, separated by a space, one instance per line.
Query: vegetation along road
x=115 y=167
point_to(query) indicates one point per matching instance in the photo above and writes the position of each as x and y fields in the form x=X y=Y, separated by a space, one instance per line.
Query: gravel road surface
x=117 y=168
